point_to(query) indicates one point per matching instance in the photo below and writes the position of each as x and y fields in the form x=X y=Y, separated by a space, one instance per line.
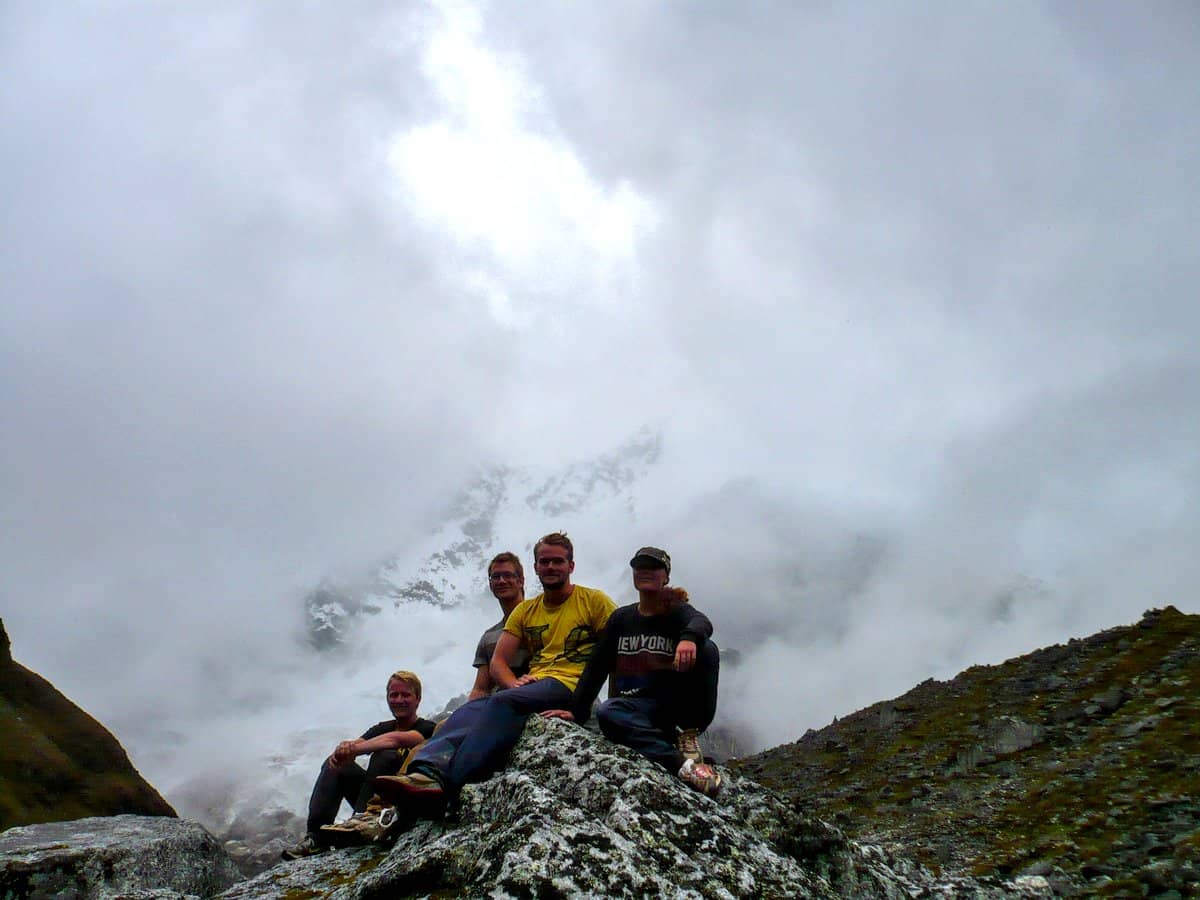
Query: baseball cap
x=654 y=555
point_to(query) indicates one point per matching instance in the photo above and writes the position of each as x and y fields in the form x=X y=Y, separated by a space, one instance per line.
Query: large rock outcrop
x=1080 y=762
x=113 y=856
x=573 y=815
x=254 y=821
x=56 y=761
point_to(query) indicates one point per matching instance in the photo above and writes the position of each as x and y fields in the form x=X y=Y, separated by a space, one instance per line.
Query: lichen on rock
x=573 y=815
x=113 y=856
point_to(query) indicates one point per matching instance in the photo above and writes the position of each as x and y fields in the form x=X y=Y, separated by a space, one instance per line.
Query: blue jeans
x=473 y=742
x=648 y=724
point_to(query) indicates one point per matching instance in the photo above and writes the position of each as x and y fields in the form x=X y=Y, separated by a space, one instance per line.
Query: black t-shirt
x=424 y=726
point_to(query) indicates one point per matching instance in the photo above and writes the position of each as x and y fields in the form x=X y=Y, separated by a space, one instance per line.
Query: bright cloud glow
x=494 y=174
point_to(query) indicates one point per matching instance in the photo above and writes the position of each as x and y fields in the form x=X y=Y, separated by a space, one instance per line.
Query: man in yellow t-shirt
x=558 y=629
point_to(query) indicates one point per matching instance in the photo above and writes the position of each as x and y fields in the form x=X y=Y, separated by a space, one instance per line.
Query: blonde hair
x=408 y=678
x=555 y=539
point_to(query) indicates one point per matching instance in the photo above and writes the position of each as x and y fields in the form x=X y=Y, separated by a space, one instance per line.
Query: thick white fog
x=909 y=293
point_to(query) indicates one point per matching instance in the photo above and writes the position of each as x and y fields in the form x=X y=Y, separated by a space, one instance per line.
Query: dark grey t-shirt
x=487 y=646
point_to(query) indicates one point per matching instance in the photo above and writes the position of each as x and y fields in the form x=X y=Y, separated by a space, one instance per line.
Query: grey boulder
x=113 y=856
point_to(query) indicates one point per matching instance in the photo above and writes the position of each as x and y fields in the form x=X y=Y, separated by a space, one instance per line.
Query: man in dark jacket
x=664 y=669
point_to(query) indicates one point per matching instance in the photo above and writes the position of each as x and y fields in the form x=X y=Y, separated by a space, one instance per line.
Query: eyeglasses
x=504 y=576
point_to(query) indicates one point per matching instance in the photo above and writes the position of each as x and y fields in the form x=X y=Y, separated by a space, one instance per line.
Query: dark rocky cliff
x=1079 y=761
x=56 y=761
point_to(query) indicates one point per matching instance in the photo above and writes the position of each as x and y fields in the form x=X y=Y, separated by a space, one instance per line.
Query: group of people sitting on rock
x=549 y=655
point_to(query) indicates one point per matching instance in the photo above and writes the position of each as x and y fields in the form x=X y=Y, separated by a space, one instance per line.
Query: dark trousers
x=648 y=724
x=350 y=783
x=473 y=742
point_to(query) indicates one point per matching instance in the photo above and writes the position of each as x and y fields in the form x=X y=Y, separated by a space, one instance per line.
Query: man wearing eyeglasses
x=558 y=629
x=506 y=578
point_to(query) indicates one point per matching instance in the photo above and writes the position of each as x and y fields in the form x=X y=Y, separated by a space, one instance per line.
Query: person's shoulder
x=686 y=609
x=379 y=728
x=425 y=727
x=593 y=605
x=624 y=617
x=493 y=629
x=520 y=612
x=688 y=612
x=487 y=643
x=593 y=595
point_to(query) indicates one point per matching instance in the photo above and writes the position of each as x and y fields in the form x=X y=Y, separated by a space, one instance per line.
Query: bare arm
x=501 y=666
x=483 y=684
x=392 y=740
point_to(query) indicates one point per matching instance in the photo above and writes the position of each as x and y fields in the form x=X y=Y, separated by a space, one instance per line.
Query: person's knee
x=607 y=711
x=502 y=702
x=532 y=697
x=384 y=762
x=617 y=712
x=610 y=717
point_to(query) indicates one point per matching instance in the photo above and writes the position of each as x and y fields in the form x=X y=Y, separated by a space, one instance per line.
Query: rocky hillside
x=56 y=761
x=1080 y=762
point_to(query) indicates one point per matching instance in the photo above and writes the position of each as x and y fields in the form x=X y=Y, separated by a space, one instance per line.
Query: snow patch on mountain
x=446 y=568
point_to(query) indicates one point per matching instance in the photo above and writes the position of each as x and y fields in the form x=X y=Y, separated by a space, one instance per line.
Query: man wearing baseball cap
x=664 y=669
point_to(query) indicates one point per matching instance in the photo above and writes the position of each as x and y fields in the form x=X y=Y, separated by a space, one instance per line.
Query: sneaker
x=308 y=846
x=688 y=744
x=404 y=788
x=700 y=776
x=361 y=828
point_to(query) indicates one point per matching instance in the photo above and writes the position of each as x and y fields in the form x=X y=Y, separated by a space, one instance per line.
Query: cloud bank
x=908 y=292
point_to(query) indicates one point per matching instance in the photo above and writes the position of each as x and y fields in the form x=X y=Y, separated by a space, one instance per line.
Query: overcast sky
x=274 y=277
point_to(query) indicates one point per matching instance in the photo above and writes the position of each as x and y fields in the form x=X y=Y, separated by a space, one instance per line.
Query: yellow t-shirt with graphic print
x=560 y=640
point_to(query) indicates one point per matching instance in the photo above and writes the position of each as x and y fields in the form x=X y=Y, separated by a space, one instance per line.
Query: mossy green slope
x=56 y=761
x=1079 y=760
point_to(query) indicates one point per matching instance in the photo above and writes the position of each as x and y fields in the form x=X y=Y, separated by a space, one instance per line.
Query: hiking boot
x=362 y=828
x=700 y=776
x=308 y=846
x=405 y=788
x=688 y=744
